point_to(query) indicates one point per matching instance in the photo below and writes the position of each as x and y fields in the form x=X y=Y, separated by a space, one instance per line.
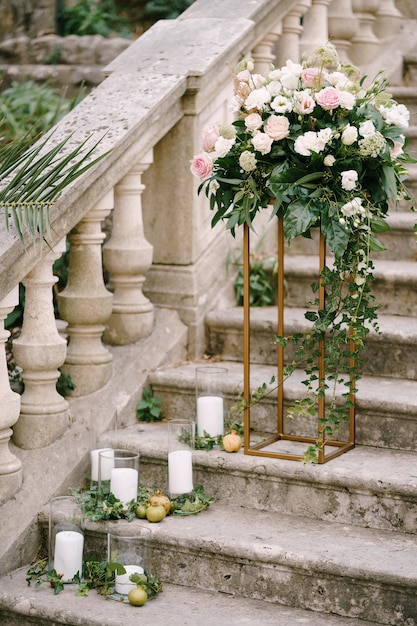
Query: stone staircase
x=284 y=543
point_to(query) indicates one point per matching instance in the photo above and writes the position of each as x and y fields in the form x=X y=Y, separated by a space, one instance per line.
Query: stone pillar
x=10 y=465
x=342 y=27
x=263 y=54
x=388 y=20
x=365 y=44
x=289 y=42
x=86 y=304
x=40 y=351
x=315 y=32
x=127 y=256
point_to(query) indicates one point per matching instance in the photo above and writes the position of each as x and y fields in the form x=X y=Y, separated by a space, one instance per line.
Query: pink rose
x=328 y=98
x=277 y=127
x=202 y=165
x=210 y=135
x=312 y=77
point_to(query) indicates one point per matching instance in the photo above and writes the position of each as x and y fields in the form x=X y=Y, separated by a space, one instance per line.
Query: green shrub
x=93 y=17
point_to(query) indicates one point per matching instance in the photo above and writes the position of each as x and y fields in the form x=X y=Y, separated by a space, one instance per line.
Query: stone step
x=365 y=487
x=177 y=605
x=394 y=284
x=406 y=95
x=386 y=408
x=284 y=559
x=390 y=353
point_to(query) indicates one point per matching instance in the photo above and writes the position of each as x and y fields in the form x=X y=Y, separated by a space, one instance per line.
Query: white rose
x=257 y=99
x=308 y=143
x=262 y=143
x=325 y=135
x=367 y=129
x=349 y=179
x=347 y=100
x=397 y=115
x=349 y=135
x=222 y=146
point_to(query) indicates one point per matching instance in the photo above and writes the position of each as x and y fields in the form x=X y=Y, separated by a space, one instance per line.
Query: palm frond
x=34 y=180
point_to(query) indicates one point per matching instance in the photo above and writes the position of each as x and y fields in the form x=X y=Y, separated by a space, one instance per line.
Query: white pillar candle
x=68 y=557
x=106 y=464
x=210 y=415
x=180 y=472
x=123 y=584
x=124 y=484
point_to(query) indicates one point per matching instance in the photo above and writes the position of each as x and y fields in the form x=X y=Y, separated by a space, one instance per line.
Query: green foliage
x=93 y=17
x=99 y=505
x=165 y=9
x=97 y=575
x=191 y=503
x=64 y=385
x=28 y=110
x=262 y=283
x=39 y=574
x=149 y=408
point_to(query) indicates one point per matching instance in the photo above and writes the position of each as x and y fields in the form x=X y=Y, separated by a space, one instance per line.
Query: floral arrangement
x=322 y=150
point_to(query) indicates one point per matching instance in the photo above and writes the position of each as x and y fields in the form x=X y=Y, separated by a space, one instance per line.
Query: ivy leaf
x=336 y=235
x=379 y=225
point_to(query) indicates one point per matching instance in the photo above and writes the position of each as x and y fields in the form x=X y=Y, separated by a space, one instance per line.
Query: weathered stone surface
x=177 y=605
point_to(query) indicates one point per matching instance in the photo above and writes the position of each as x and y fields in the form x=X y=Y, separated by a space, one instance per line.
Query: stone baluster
x=342 y=27
x=127 y=255
x=388 y=20
x=315 y=32
x=289 y=42
x=40 y=351
x=264 y=54
x=10 y=465
x=86 y=304
x=365 y=43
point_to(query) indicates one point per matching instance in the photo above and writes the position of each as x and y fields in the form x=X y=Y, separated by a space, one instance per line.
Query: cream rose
x=253 y=121
x=262 y=143
x=277 y=127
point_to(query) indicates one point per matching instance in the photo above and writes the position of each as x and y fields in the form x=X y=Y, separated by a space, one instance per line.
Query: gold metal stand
x=329 y=448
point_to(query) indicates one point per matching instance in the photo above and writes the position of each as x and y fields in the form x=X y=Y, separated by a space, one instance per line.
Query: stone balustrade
x=148 y=113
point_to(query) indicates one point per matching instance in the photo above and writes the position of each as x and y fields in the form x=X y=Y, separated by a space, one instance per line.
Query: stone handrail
x=148 y=112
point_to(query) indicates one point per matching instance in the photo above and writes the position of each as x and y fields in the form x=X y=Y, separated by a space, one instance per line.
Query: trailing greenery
x=97 y=575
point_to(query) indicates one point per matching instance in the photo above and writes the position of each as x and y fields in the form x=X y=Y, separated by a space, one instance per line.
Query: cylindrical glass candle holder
x=129 y=547
x=94 y=461
x=118 y=473
x=180 y=460
x=65 y=538
x=209 y=400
